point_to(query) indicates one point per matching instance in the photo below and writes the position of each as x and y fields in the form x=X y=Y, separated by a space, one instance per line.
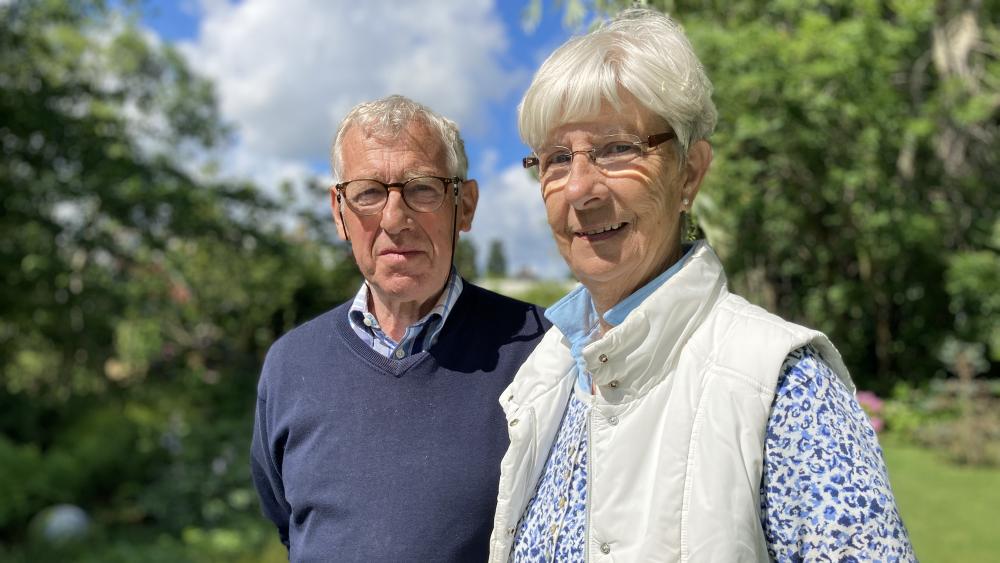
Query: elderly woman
x=663 y=418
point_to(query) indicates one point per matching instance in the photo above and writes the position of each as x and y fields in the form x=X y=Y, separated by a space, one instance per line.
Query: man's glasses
x=423 y=194
x=607 y=152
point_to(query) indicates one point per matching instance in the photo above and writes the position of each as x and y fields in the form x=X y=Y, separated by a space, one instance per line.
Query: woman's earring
x=692 y=228
x=689 y=229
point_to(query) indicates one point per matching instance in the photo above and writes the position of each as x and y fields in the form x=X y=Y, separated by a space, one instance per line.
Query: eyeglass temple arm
x=659 y=138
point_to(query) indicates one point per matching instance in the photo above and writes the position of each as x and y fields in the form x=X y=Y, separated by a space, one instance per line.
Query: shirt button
x=510 y=531
x=367 y=321
x=400 y=353
x=613 y=383
x=603 y=358
x=514 y=422
x=613 y=420
x=605 y=548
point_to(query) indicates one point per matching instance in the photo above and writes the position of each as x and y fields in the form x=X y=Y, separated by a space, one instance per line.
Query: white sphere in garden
x=59 y=524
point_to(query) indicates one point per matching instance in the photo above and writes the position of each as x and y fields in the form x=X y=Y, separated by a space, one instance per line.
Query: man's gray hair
x=642 y=52
x=388 y=117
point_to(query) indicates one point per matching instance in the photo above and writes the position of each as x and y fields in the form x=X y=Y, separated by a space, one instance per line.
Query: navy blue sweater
x=358 y=457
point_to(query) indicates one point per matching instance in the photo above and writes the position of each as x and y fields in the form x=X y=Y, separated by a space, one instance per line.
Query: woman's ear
x=699 y=158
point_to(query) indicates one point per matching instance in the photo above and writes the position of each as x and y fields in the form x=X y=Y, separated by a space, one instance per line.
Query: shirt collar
x=576 y=317
x=427 y=328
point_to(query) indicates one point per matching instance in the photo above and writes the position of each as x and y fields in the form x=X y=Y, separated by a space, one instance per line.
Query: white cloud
x=288 y=71
x=510 y=209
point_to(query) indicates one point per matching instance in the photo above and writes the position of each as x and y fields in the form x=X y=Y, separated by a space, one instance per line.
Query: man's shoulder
x=311 y=335
x=480 y=292
x=489 y=305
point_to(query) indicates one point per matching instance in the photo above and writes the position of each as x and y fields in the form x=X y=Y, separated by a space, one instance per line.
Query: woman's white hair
x=388 y=117
x=642 y=52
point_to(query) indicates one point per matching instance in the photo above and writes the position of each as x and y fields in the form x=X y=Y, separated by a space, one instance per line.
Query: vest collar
x=654 y=333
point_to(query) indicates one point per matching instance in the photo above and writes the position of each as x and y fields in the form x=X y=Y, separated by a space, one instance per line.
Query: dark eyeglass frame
x=401 y=186
x=650 y=142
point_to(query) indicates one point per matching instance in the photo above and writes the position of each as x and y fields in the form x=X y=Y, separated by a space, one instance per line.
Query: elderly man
x=378 y=436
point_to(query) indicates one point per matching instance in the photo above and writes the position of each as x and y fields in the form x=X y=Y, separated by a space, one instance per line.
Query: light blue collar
x=576 y=317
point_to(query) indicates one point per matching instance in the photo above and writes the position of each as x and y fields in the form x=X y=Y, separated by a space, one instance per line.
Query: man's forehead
x=415 y=148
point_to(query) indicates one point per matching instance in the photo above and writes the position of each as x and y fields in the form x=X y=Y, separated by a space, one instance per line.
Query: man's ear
x=337 y=214
x=469 y=195
x=699 y=158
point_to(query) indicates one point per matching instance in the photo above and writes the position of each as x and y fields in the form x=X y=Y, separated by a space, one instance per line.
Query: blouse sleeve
x=825 y=491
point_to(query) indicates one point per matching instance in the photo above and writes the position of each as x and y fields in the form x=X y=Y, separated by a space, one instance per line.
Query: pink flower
x=877 y=423
x=870 y=402
x=872 y=405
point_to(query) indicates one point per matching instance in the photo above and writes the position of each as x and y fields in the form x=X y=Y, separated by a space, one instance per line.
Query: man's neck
x=394 y=316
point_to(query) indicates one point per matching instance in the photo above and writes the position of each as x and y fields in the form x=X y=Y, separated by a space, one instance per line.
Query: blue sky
x=286 y=71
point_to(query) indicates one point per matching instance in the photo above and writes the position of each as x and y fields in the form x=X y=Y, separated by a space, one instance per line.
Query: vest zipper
x=590 y=476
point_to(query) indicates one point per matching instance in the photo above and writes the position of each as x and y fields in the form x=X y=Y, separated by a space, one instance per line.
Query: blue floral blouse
x=824 y=492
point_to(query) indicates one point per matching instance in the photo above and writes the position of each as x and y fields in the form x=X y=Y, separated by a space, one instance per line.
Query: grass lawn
x=951 y=512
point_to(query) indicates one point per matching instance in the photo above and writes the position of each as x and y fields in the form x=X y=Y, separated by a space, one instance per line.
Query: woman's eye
x=559 y=158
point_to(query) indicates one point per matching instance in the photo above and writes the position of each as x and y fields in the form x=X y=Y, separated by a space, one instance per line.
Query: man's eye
x=422 y=192
x=368 y=195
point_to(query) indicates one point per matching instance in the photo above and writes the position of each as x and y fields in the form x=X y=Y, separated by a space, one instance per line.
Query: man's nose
x=395 y=213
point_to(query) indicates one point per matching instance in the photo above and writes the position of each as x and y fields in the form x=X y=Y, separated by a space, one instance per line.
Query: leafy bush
x=960 y=419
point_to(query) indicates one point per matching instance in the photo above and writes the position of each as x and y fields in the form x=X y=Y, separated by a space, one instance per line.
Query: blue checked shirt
x=418 y=337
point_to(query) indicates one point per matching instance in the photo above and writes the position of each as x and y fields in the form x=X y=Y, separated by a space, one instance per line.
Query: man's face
x=404 y=255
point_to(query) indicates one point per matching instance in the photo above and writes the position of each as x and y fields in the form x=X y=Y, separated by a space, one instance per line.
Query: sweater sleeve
x=825 y=490
x=265 y=474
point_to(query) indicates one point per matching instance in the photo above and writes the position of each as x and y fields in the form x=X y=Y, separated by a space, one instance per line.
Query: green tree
x=465 y=259
x=496 y=261
x=856 y=166
x=139 y=293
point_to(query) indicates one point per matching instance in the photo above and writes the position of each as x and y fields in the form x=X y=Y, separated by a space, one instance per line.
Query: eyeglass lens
x=367 y=197
x=607 y=152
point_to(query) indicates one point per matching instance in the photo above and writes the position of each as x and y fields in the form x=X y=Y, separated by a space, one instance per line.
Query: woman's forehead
x=630 y=118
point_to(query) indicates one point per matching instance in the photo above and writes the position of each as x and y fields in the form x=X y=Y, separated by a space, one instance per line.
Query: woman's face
x=617 y=227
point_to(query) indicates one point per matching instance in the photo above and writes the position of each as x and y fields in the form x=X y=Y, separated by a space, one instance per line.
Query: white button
x=605 y=548
x=510 y=531
x=613 y=383
x=400 y=353
x=368 y=321
x=613 y=420
x=603 y=358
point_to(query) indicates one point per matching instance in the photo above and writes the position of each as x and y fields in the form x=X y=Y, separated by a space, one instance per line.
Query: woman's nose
x=585 y=185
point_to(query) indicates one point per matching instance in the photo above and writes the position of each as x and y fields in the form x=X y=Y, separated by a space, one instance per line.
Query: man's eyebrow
x=411 y=174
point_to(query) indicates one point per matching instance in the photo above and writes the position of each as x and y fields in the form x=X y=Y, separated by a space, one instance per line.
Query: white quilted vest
x=677 y=430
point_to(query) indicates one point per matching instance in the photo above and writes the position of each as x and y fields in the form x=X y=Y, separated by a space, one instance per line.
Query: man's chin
x=406 y=286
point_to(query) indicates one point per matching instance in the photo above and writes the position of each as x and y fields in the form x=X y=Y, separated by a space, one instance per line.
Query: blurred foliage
x=140 y=293
x=959 y=419
x=856 y=169
x=496 y=260
x=465 y=259
x=544 y=293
